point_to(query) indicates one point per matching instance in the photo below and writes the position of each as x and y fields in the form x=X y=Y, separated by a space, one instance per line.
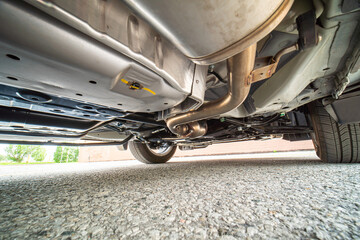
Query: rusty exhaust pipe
x=189 y=125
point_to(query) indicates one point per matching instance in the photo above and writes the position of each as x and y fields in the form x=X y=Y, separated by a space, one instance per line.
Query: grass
x=15 y=163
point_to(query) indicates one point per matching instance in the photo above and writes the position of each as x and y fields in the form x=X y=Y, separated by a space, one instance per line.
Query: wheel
x=333 y=142
x=146 y=154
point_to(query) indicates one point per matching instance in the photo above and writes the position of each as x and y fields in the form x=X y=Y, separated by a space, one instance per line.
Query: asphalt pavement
x=261 y=196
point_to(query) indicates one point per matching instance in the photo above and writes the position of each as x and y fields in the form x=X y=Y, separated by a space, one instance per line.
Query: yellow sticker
x=134 y=87
x=149 y=90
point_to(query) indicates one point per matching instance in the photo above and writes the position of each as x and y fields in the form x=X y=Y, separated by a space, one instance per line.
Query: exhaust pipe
x=189 y=125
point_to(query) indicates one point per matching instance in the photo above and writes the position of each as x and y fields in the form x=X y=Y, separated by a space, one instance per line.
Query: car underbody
x=175 y=73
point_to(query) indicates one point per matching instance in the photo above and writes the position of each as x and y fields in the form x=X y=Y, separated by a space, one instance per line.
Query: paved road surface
x=263 y=196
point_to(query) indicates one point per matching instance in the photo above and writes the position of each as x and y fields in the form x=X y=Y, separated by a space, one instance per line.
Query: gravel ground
x=269 y=196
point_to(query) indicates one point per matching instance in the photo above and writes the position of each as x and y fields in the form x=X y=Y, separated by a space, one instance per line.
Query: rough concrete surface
x=263 y=196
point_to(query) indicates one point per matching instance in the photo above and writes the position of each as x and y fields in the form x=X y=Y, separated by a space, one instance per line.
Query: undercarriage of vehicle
x=165 y=74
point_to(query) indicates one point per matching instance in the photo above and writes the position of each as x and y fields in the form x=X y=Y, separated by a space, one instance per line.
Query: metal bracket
x=341 y=87
x=264 y=72
x=268 y=65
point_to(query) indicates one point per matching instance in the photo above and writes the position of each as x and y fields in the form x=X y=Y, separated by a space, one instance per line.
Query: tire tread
x=337 y=143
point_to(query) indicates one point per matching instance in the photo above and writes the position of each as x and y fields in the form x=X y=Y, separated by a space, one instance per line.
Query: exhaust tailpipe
x=187 y=125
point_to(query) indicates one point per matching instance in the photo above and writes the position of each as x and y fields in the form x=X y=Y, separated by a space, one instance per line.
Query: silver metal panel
x=113 y=24
x=201 y=28
x=59 y=60
x=199 y=86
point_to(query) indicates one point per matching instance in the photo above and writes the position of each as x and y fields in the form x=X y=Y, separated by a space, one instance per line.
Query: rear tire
x=142 y=152
x=334 y=142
